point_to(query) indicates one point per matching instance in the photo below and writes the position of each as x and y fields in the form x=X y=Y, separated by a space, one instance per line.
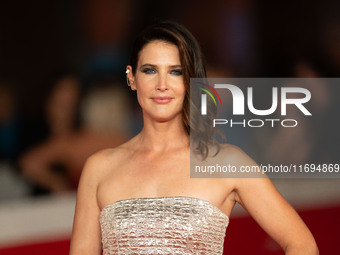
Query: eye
x=149 y=70
x=176 y=72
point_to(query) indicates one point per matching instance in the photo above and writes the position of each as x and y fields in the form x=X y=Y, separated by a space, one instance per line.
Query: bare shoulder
x=242 y=166
x=230 y=149
x=234 y=155
x=103 y=162
x=250 y=174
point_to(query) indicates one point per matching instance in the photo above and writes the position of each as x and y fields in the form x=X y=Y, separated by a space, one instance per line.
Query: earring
x=127 y=79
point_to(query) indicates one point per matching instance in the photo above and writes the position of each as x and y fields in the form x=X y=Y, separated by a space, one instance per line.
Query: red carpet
x=60 y=247
x=244 y=236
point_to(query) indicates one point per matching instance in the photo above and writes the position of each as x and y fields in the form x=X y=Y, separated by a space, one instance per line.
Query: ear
x=130 y=77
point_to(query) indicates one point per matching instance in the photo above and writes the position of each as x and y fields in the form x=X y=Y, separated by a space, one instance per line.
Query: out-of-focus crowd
x=75 y=124
x=91 y=108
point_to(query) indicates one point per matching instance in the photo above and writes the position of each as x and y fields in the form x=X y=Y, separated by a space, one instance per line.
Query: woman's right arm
x=86 y=235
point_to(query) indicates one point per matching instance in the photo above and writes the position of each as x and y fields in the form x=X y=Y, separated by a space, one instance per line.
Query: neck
x=162 y=136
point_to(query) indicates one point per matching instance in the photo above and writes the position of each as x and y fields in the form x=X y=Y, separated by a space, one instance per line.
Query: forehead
x=159 y=52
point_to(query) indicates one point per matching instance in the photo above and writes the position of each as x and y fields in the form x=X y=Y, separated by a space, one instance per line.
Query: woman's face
x=159 y=81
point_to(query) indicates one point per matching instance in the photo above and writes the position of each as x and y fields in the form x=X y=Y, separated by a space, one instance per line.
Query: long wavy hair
x=199 y=127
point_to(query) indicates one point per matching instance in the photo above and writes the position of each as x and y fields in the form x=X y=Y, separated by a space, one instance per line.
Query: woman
x=139 y=198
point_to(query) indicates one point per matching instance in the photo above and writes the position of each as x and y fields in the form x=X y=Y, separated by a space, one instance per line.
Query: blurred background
x=63 y=96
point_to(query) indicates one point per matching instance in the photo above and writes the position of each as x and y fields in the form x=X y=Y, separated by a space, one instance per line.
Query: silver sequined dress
x=165 y=225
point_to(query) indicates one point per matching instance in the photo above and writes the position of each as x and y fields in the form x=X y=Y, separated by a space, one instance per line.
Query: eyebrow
x=151 y=65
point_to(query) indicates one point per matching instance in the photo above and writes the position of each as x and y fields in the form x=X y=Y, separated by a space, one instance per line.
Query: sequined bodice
x=165 y=225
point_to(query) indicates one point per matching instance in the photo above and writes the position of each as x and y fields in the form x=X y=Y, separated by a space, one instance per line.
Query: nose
x=162 y=84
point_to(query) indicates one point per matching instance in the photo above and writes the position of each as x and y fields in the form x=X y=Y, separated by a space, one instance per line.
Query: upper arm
x=272 y=212
x=86 y=235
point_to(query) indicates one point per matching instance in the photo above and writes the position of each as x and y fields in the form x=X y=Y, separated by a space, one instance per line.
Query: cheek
x=142 y=93
x=140 y=97
x=181 y=91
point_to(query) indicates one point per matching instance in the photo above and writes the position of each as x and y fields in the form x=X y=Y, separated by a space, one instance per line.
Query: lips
x=161 y=100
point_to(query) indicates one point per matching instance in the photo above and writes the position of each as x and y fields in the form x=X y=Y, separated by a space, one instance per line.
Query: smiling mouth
x=161 y=100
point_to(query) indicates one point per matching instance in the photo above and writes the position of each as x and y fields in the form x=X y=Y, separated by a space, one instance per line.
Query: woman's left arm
x=274 y=214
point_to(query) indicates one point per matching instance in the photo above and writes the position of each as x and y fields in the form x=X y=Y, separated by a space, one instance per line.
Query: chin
x=165 y=117
x=162 y=119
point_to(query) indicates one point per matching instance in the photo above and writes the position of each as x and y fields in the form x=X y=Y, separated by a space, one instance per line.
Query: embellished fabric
x=165 y=225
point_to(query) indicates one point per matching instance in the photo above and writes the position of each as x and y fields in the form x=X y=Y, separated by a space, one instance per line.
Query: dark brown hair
x=193 y=66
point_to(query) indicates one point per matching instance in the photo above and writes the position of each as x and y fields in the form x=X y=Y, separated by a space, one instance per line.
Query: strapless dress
x=163 y=225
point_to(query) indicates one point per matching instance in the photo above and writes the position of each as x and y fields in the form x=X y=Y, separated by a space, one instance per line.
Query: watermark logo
x=281 y=97
x=238 y=99
x=278 y=121
x=204 y=97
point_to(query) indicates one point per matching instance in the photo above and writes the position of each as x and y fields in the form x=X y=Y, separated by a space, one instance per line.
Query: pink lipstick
x=161 y=100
